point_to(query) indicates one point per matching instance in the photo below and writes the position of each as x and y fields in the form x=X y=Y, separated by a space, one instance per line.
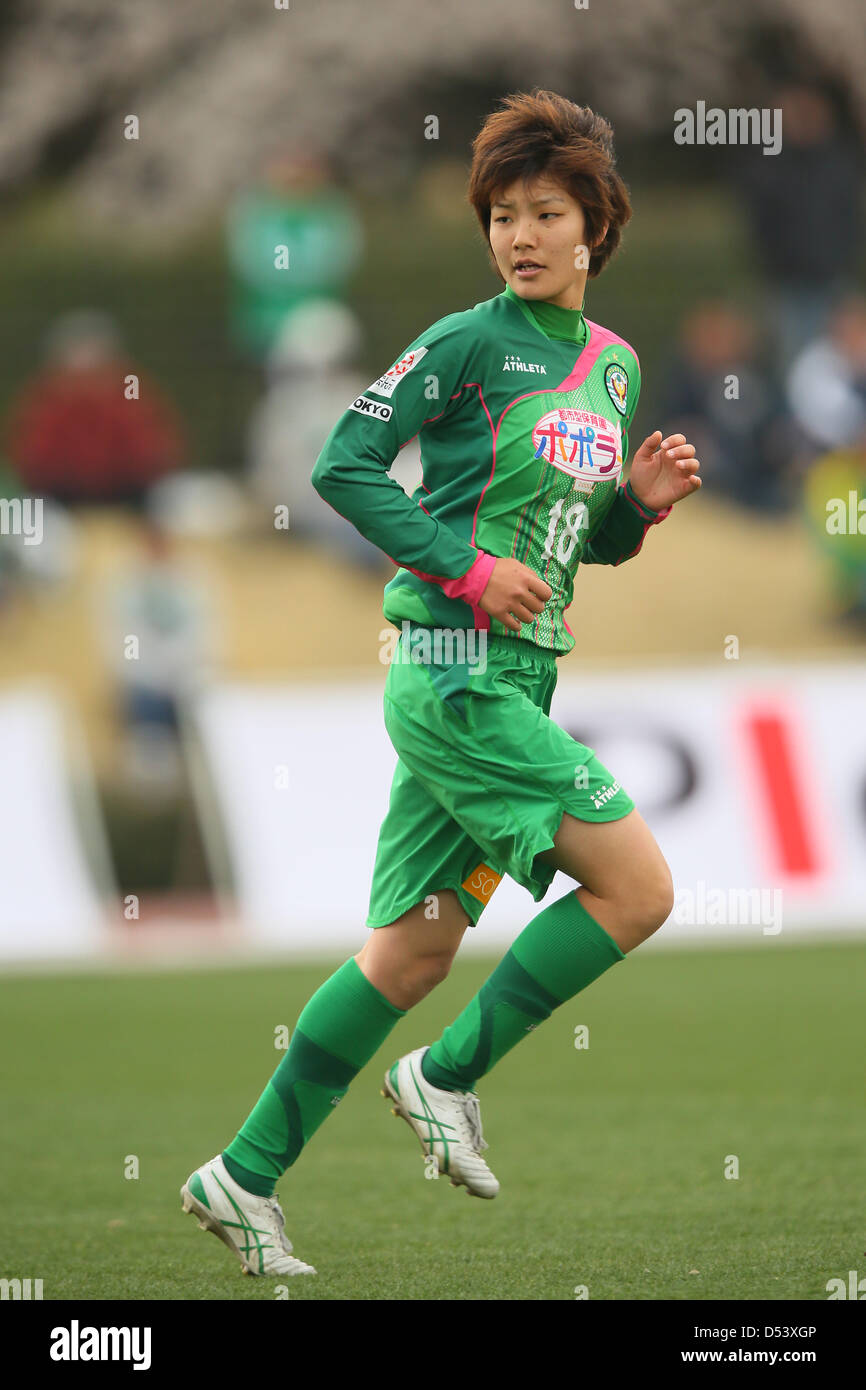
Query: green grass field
x=611 y=1159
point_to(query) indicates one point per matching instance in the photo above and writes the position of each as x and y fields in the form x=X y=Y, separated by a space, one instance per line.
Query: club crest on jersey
x=580 y=443
x=386 y=385
x=616 y=381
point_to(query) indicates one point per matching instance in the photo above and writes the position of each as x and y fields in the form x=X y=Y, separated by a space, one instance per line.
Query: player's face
x=538 y=237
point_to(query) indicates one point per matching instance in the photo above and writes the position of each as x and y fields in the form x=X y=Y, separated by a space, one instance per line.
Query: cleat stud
x=395 y=1111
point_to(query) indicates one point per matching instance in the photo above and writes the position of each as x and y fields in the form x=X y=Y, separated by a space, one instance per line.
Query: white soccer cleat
x=253 y=1227
x=448 y=1124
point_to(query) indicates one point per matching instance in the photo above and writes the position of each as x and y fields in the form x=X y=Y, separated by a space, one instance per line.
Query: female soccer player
x=523 y=408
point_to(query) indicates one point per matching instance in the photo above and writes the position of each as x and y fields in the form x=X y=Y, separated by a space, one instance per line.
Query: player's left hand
x=664 y=471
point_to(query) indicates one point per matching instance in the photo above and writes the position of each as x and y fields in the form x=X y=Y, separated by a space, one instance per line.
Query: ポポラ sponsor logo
x=579 y=442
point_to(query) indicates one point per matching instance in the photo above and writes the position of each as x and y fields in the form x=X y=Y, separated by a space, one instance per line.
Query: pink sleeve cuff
x=469 y=587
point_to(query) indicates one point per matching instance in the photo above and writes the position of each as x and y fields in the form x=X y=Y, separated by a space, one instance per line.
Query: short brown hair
x=540 y=132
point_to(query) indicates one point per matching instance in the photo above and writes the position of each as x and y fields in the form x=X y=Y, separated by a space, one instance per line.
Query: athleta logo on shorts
x=605 y=794
x=386 y=385
x=365 y=406
x=579 y=443
x=482 y=883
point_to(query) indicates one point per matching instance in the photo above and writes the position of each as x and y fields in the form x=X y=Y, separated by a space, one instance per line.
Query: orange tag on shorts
x=482 y=883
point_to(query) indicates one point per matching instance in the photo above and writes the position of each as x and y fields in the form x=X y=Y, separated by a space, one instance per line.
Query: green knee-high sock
x=558 y=954
x=339 y=1030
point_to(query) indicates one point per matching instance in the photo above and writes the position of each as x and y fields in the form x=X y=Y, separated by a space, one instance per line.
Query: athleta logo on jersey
x=386 y=385
x=365 y=406
x=579 y=443
x=513 y=363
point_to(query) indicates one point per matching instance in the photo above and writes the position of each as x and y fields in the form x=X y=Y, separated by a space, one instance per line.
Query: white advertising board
x=51 y=906
x=753 y=781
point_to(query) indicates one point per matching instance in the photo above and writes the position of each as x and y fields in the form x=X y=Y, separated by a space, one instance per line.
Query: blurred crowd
x=772 y=392
x=92 y=430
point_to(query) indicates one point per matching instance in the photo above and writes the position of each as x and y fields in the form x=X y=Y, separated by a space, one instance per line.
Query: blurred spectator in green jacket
x=291 y=237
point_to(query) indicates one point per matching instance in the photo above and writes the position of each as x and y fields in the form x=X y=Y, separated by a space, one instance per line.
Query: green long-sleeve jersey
x=522 y=411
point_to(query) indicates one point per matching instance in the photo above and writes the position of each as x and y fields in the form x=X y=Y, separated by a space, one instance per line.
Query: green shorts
x=484 y=775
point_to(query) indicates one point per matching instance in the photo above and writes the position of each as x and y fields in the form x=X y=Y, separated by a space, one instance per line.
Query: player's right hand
x=514 y=594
